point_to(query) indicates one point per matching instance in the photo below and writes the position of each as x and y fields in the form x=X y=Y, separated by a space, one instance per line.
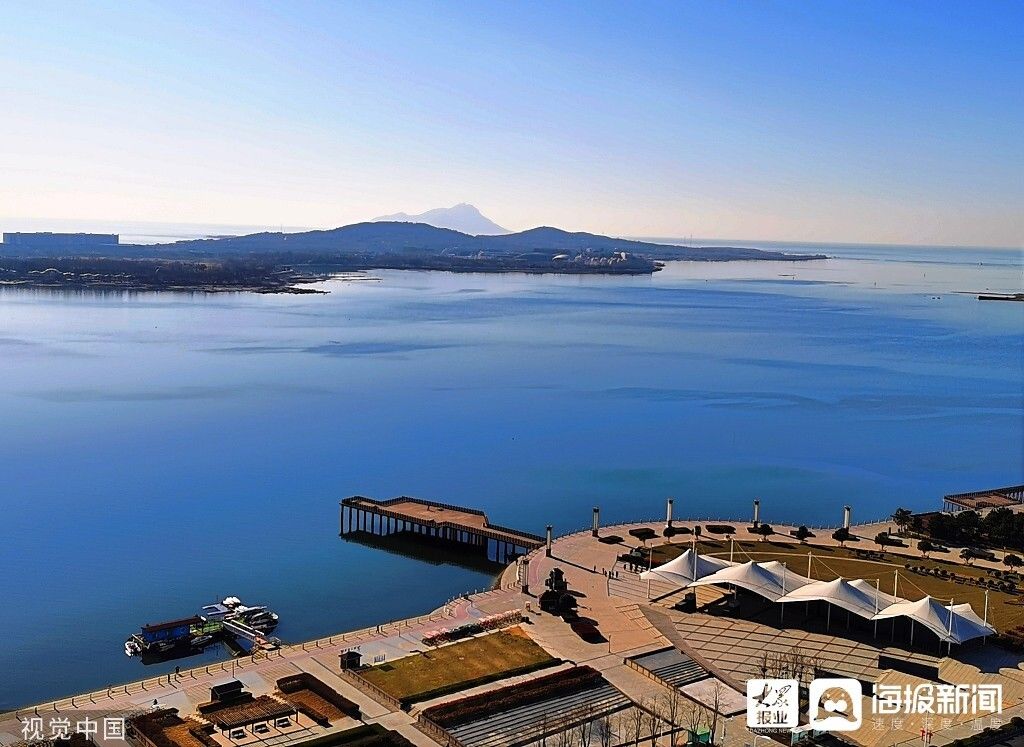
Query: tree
x=716 y=706
x=1013 y=561
x=651 y=719
x=968 y=526
x=564 y=736
x=925 y=547
x=696 y=531
x=765 y=530
x=585 y=729
x=882 y=539
x=967 y=554
x=842 y=536
x=693 y=717
x=943 y=527
x=635 y=725
x=998 y=526
x=802 y=533
x=902 y=517
x=671 y=709
x=604 y=730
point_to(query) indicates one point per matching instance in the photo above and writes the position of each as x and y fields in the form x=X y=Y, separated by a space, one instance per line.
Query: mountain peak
x=462 y=217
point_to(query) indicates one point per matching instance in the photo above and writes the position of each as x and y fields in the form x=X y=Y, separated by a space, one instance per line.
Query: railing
x=435 y=732
x=368 y=688
x=408 y=499
x=230 y=667
x=1013 y=491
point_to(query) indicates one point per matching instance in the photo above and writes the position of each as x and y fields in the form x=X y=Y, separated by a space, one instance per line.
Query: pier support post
x=847 y=512
x=757 y=512
x=547 y=542
x=668 y=514
x=597 y=521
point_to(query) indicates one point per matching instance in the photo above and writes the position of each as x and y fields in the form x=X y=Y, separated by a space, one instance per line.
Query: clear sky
x=843 y=121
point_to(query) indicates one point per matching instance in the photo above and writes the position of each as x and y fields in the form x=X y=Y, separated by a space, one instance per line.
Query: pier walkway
x=438 y=522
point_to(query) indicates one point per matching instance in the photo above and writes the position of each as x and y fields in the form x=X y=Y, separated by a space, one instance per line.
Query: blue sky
x=854 y=121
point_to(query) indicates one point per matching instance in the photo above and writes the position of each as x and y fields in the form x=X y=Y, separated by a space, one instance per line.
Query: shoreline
x=504 y=580
x=636 y=625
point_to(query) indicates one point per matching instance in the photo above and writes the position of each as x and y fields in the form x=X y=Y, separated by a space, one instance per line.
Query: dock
x=439 y=522
x=258 y=640
x=1011 y=497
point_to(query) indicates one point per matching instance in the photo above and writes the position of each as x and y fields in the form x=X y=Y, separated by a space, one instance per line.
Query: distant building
x=48 y=240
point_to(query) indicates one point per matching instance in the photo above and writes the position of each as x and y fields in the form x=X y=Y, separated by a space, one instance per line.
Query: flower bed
x=483 y=625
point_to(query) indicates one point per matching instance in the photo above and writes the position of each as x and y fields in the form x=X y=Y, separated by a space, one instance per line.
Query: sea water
x=162 y=451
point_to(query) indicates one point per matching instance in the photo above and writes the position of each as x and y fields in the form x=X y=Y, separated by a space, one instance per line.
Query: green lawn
x=486 y=657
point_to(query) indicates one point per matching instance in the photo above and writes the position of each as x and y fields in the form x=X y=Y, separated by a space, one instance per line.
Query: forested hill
x=401 y=237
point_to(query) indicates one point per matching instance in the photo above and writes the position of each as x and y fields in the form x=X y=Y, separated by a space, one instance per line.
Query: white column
x=597 y=521
x=757 y=511
x=847 y=513
x=668 y=514
x=547 y=548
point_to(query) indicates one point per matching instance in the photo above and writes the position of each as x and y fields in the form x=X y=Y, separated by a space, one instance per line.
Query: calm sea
x=163 y=451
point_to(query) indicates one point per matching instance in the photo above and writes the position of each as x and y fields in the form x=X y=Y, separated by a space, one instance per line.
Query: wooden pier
x=1007 y=497
x=440 y=522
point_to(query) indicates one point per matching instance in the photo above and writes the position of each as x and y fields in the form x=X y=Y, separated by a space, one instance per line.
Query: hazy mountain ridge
x=463 y=217
x=390 y=237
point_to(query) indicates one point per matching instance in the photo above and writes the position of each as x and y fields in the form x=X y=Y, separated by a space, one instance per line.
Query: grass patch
x=460 y=665
x=1005 y=611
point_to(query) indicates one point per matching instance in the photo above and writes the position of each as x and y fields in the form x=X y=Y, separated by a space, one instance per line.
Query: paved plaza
x=713 y=649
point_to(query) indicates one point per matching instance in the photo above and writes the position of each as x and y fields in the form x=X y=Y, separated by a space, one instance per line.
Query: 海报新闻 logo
x=835 y=704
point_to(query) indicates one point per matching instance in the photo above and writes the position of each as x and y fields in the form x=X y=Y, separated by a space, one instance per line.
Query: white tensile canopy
x=873 y=590
x=841 y=593
x=967 y=611
x=770 y=580
x=952 y=624
x=793 y=580
x=685 y=569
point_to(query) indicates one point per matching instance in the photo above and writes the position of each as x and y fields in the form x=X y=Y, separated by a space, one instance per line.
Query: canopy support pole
x=895 y=593
x=984 y=638
x=782 y=607
x=877 y=582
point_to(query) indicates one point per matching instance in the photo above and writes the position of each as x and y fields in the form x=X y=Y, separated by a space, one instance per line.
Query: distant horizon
x=212 y=230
